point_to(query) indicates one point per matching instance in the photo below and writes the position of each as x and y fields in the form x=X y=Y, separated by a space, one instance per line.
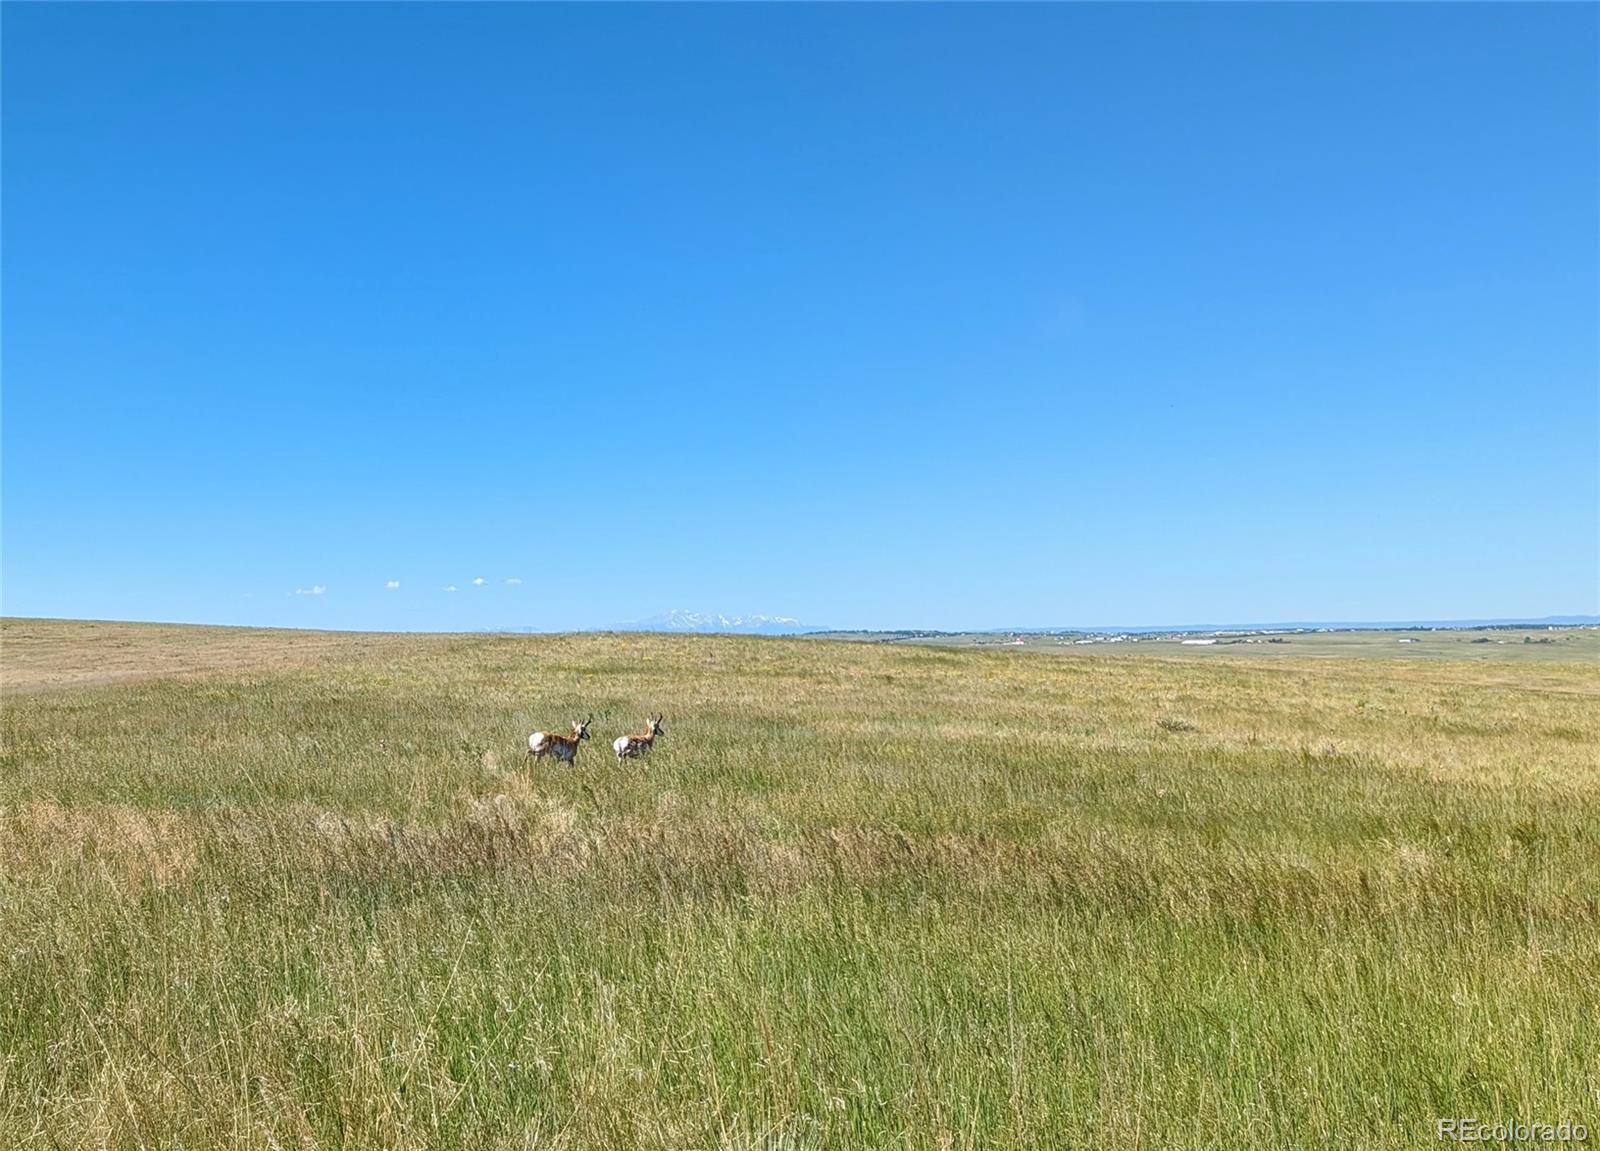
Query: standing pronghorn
x=563 y=747
x=626 y=745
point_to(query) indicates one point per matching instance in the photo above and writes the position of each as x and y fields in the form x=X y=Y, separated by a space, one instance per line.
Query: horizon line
x=1575 y=620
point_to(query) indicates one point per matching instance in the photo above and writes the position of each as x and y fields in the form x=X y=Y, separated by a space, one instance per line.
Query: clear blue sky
x=874 y=316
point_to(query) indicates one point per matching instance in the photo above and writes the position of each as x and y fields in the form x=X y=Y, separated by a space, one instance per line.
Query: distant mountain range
x=706 y=622
x=710 y=623
x=1332 y=625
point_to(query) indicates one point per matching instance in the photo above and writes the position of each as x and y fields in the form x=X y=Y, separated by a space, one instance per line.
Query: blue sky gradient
x=875 y=316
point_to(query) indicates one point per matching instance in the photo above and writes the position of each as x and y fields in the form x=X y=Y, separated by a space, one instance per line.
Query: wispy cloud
x=450 y=587
x=513 y=581
x=314 y=589
x=478 y=582
x=392 y=584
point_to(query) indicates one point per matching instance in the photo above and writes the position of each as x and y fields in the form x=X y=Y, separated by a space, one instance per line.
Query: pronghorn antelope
x=563 y=747
x=626 y=745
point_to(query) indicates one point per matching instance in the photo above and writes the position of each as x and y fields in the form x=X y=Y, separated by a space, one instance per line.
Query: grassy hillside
x=266 y=889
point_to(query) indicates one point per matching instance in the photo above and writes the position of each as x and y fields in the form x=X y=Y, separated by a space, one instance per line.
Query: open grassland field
x=268 y=890
x=1541 y=645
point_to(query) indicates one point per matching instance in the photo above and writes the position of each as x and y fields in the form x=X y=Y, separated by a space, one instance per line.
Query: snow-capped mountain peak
x=695 y=621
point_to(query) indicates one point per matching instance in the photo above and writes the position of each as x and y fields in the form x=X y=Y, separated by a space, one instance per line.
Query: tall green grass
x=857 y=897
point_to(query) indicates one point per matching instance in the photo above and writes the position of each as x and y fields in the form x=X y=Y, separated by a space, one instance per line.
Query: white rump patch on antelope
x=629 y=745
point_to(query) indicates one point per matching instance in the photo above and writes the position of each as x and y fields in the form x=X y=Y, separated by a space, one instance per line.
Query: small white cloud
x=478 y=582
x=314 y=589
x=450 y=587
x=392 y=584
x=513 y=581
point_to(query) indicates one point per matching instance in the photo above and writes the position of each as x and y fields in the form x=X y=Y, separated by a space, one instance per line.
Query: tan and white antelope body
x=631 y=745
x=563 y=747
